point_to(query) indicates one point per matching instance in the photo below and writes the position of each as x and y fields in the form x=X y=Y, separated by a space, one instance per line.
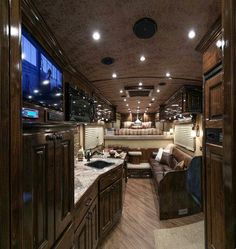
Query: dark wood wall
x=229 y=124
x=10 y=126
x=4 y=127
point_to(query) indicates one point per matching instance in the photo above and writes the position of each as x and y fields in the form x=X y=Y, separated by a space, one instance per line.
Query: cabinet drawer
x=110 y=178
x=84 y=204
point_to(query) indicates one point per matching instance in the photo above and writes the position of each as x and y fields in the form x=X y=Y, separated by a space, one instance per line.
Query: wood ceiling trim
x=214 y=32
x=148 y=77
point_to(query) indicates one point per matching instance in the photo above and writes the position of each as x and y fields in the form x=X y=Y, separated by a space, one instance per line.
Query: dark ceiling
x=169 y=50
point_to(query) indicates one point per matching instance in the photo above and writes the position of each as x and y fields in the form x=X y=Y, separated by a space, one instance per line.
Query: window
x=29 y=52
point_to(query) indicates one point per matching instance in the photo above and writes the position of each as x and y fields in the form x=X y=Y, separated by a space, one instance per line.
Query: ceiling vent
x=107 y=61
x=135 y=91
x=145 y=28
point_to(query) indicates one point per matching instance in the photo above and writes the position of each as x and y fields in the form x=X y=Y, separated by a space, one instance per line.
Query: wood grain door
x=215 y=197
x=38 y=191
x=116 y=196
x=64 y=173
x=81 y=240
x=93 y=228
x=105 y=211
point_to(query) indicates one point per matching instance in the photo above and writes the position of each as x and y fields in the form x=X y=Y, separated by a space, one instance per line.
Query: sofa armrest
x=173 y=181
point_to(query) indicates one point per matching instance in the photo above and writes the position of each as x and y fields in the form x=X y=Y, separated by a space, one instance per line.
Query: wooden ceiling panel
x=73 y=23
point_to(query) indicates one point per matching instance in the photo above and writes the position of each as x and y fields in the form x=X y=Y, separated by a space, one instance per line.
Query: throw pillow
x=180 y=165
x=159 y=154
x=168 y=159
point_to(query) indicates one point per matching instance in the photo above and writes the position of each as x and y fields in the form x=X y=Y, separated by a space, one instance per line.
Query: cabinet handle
x=50 y=137
x=59 y=136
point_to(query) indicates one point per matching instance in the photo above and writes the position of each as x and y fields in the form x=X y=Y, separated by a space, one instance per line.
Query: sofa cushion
x=158 y=177
x=168 y=159
x=159 y=155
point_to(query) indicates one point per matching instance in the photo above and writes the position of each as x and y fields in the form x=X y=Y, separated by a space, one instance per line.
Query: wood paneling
x=15 y=123
x=214 y=101
x=229 y=126
x=64 y=187
x=4 y=127
x=215 y=198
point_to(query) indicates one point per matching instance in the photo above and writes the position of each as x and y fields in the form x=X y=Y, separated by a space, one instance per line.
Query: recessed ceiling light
x=114 y=75
x=127 y=104
x=96 y=36
x=150 y=104
x=140 y=83
x=140 y=88
x=168 y=74
x=139 y=102
x=153 y=99
x=158 y=90
x=121 y=91
x=191 y=34
x=142 y=58
x=124 y=99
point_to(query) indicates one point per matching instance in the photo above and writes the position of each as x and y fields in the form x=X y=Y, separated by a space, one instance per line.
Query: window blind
x=183 y=137
x=94 y=136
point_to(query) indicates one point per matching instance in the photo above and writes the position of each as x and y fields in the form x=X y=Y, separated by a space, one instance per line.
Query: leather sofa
x=179 y=192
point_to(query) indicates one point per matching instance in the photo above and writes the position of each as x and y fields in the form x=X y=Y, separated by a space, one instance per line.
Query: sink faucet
x=88 y=155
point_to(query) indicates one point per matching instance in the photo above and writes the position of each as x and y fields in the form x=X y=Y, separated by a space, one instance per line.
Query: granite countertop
x=85 y=176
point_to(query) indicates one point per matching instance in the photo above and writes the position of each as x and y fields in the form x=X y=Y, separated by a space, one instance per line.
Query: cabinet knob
x=50 y=137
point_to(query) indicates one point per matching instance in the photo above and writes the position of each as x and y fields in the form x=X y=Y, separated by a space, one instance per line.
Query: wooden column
x=4 y=127
x=229 y=124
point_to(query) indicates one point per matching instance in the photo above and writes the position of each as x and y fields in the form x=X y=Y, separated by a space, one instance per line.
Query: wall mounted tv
x=41 y=77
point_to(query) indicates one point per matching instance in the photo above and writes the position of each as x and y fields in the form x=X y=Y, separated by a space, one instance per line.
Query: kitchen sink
x=99 y=164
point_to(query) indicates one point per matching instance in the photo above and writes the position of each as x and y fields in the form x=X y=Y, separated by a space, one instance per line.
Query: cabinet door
x=105 y=211
x=81 y=235
x=93 y=225
x=214 y=102
x=38 y=191
x=215 y=197
x=64 y=187
x=116 y=196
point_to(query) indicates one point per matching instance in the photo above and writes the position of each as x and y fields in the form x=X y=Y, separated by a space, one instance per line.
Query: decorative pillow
x=159 y=155
x=180 y=165
x=167 y=159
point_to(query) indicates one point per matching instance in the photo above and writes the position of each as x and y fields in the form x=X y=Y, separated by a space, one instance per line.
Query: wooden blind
x=183 y=136
x=94 y=136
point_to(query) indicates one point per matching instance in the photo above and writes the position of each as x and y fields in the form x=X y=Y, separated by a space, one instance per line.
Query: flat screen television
x=41 y=77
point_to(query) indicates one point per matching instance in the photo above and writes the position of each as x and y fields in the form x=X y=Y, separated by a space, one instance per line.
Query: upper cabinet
x=187 y=100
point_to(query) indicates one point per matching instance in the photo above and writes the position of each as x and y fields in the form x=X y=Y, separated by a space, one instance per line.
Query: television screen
x=41 y=77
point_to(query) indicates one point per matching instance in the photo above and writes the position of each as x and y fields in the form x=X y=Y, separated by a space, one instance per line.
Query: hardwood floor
x=140 y=218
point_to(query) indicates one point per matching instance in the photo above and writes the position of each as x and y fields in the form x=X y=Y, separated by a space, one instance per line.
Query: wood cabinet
x=187 y=100
x=86 y=235
x=110 y=206
x=47 y=186
x=213 y=140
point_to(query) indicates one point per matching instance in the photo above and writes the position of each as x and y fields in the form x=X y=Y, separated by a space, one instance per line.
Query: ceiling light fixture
x=142 y=58
x=167 y=74
x=220 y=44
x=139 y=102
x=140 y=83
x=124 y=99
x=114 y=75
x=150 y=104
x=191 y=34
x=127 y=104
x=140 y=88
x=158 y=90
x=96 y=36
x=121 y=91
x=153 y=99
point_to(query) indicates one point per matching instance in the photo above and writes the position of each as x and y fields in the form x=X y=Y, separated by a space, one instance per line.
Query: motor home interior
x=117 y=124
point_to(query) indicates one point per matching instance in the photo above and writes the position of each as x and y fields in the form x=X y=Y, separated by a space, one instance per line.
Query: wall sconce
x=171 y=131
x=195 y=131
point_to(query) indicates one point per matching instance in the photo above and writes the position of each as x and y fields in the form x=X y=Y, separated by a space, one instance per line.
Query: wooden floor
x=140 y=218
